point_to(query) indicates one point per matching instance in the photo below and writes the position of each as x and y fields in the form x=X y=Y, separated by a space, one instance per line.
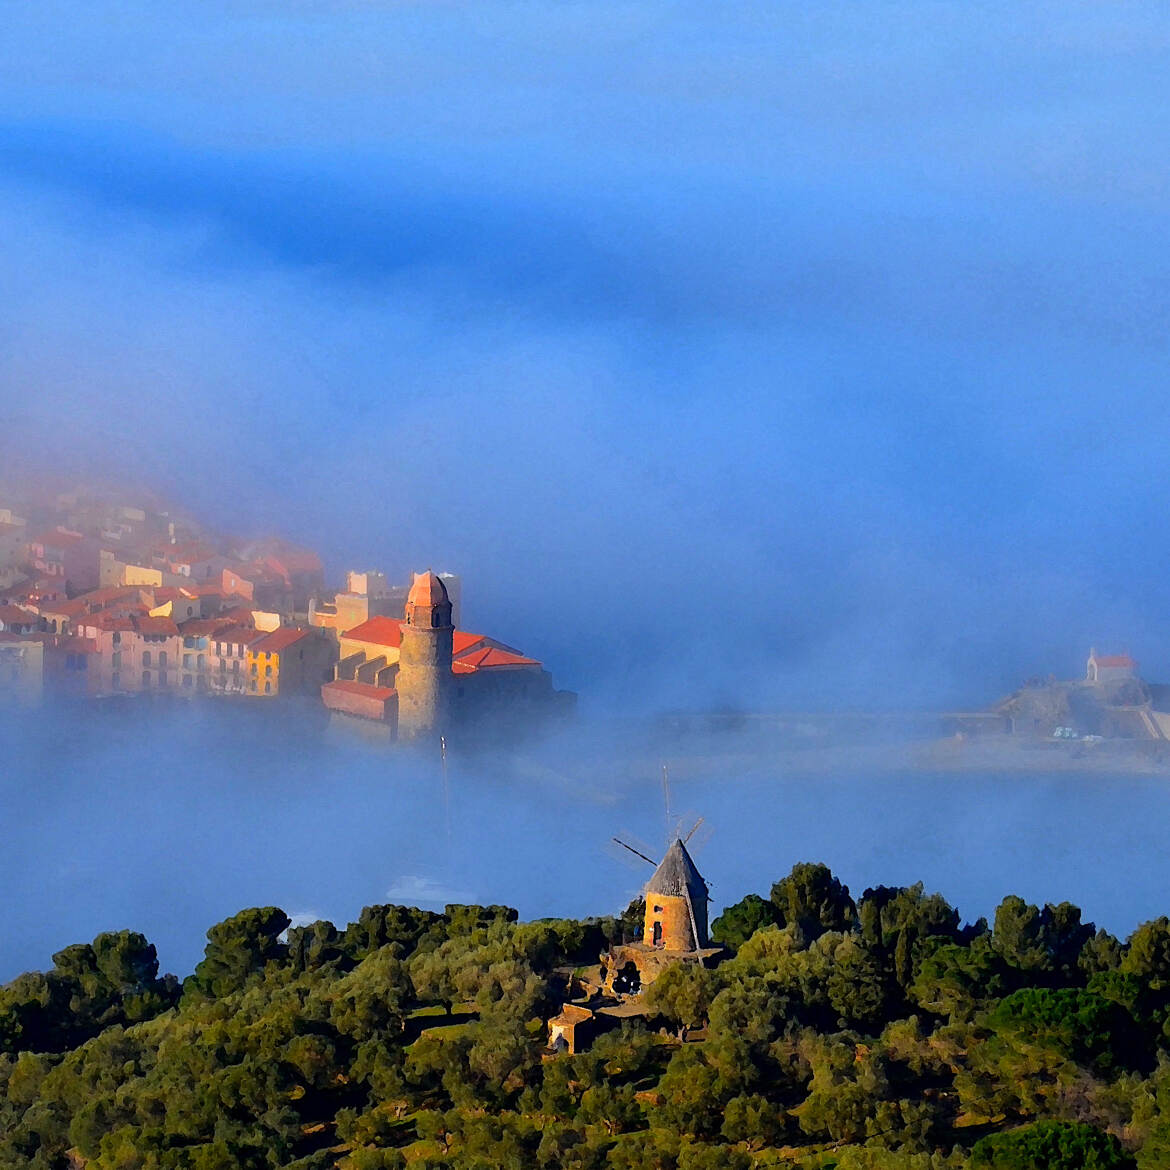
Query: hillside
x=869 y=1033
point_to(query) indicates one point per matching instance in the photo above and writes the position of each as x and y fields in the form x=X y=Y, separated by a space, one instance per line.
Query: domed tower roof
x=427 y=589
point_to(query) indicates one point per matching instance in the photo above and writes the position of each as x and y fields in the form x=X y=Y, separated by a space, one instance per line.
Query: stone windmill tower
x=674 y=928
x=676 y=904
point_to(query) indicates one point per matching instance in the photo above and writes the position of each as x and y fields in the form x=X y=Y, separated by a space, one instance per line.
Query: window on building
x=162 y=659
x=117 y=638
x=186 y=661
x=199 y=662
x=268 y=670
x=268 y=688
x=187 y=681
x=145 y=657
x=146 y=678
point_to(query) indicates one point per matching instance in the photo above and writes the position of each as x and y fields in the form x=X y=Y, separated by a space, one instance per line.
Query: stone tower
x=676 y=904
x=424 y=660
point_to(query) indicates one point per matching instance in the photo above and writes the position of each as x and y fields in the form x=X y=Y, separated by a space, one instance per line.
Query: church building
x=424 y=678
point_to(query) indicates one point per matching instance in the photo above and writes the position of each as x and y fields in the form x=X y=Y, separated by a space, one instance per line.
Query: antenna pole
x=666 y=800
x=446 y=789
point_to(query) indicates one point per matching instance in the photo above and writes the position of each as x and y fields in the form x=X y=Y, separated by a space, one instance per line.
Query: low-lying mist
x=800 y=357
x=167 y=820
x=787 y=356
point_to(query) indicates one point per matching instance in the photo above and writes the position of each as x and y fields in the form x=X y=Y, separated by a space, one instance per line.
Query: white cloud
x=425 y=892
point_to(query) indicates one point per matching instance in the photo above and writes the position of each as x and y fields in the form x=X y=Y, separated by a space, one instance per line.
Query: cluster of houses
x=108 y=600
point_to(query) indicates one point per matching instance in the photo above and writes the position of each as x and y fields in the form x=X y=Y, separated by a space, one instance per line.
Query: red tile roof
x=260 y=574
x=187 y=553
x=278 y=640
x=1116 y=660
x=78 y=607
x=75 y=645
x=491 y=656
x=291 y=558
x=197 y=627
x=463 y=642
x=13 y=615
x=111 y=621
x=155 y=625
x=380 y=630
x=241 y=635
x=110 y=593
x=165 y=593
x=56 y=537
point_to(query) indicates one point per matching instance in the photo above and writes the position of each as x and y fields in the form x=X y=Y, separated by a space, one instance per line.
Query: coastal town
x=101 y=599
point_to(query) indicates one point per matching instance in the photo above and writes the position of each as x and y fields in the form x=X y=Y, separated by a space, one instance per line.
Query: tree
x=1080 y=1025
x=433 y=978
x=314 y=945
x=682 y=994
x=753 y=1120
x=238 y=948
x=126 y=961
x=953 y=980
x=692 y=1095
x=1147 y=956
x=371 y=1002
x=811 y=899
x=463 y=919
x=1040 y=943
x=896 y=922
x=856 y=985
x=1052 y=1145
x=739 y=922
x=378 y=926
x=611 y=1106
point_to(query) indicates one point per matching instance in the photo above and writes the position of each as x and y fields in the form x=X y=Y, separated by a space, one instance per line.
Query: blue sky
x=779 y=355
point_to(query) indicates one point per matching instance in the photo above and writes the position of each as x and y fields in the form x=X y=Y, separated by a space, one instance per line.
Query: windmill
x=676 y=898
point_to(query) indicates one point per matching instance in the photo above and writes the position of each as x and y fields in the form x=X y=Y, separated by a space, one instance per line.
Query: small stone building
x=570 y=1032
x=1106 y=668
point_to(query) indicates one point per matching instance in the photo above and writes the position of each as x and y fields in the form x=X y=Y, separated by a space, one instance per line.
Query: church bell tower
x=424 y=660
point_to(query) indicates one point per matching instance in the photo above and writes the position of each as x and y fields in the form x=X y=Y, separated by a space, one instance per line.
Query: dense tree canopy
x=880 y=1034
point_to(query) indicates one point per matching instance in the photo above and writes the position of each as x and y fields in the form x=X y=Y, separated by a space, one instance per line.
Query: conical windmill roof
x=677 y=876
